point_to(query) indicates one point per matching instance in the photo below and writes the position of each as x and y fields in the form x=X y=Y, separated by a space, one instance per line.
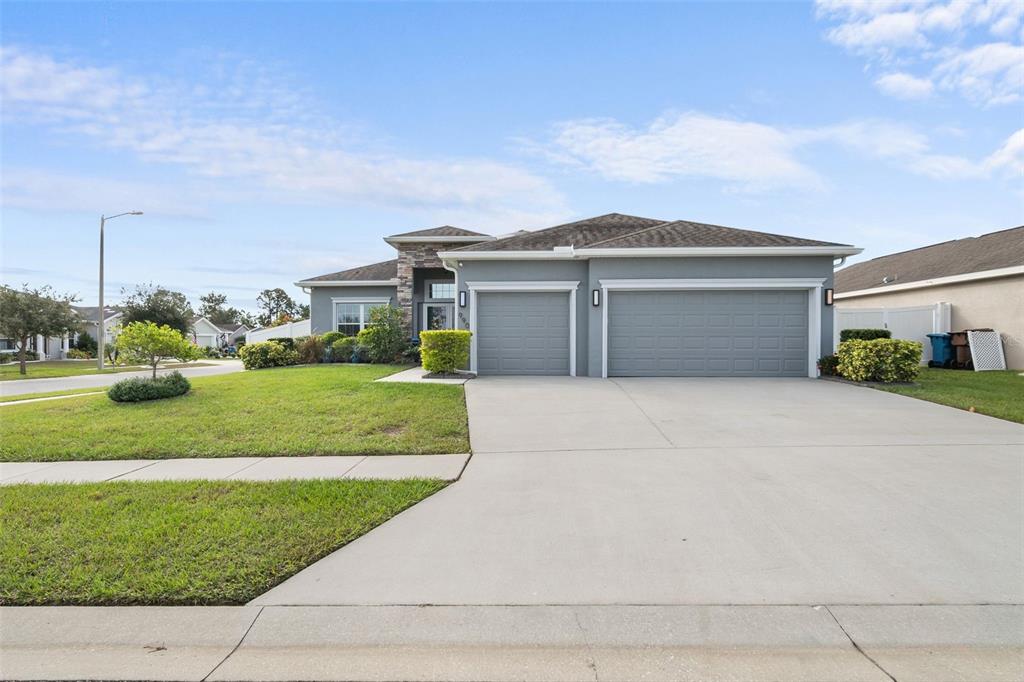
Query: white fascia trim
x=566 y=286
x=570 y=253
x=936 y=282
x=523 y=286
x=718 y=251
x=438 y=239
x=360 y=299
x=348 y=283
x=711 y=283
x=812 y=285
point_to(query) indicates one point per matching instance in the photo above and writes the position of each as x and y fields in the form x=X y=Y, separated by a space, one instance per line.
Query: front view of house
x=614 y=295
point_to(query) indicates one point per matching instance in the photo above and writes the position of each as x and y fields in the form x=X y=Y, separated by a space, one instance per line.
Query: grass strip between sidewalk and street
x=50 y=369
x=307 y=410
x=177 y=543
x=993 y=393
x=51 y=394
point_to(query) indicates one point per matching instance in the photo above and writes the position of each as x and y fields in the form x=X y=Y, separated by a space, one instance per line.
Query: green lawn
x=997 y=394
x=195 y=542
x=308 y=410
x=48 y=369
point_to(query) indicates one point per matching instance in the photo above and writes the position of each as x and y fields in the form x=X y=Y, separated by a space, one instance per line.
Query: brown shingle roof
x=443 y=231
x=683 y=233
x=579 y=234
x=378 y=271
x=990 y=251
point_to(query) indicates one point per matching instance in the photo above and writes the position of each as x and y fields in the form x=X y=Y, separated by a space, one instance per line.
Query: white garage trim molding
x=811 y=285
x=568 y=287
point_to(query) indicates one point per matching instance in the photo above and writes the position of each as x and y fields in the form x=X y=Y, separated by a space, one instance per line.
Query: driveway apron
x=700 y=491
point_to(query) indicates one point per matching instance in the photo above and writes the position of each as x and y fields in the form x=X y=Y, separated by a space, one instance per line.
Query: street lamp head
x=135 y=213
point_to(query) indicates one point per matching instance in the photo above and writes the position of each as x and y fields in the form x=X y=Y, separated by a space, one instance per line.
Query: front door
x=437 y=316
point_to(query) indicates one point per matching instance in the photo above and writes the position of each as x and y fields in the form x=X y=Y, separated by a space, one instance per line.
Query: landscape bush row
x=872 y=355
x=383 y=340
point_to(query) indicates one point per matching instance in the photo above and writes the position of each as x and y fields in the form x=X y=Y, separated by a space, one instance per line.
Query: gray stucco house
x=613 y=295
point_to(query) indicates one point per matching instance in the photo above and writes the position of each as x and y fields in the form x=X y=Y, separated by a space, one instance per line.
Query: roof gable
x=386 y=270
x=442 y=231
x=991 y=251
x=578 y=234
x=686 y=234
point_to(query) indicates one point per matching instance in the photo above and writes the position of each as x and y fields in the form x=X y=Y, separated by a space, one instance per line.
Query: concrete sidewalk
x=23 y=386
x=618 y=642
x=446 y=467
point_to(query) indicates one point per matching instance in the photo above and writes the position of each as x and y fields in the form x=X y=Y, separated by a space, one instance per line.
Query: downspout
x=455 y=271
x=841 y=263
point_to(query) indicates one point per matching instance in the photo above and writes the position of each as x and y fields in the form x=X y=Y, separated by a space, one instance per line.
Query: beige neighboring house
x=982 y=278
x=209 y=335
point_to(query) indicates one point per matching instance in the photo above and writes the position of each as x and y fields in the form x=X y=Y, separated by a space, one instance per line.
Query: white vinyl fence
x=292 y=330
x=912 y=324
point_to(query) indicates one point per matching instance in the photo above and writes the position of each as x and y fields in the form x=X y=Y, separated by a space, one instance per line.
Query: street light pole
x=101 y=330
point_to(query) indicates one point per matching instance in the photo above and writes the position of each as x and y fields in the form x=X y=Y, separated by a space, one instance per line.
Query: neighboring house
x=209 y=335
x=233 y=333
x=90 y=322
x=982 y=278
x=57 y=347
x=614 y=295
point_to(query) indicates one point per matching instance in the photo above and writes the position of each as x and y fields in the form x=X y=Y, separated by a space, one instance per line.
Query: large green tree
x=213 y=306
x=149 y=344
x=30 y=312
x=149 y=303
x=277 y=307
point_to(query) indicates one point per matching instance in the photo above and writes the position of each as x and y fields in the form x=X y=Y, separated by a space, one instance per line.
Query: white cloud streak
x=249 y=131
x=905 y=86
x=748 y=156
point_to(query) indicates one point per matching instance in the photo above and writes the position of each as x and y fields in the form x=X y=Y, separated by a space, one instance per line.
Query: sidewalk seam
x=591 y=661
x=125 y=473
x=857 y=646
x=235 y=648
x=251 y=464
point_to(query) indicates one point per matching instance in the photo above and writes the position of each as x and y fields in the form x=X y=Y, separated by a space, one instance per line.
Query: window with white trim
x=352 y=317
x=441 y=290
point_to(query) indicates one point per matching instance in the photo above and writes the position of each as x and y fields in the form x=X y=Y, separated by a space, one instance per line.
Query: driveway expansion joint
x=233 y=650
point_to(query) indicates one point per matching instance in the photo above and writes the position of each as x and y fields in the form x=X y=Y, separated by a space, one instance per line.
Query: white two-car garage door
x=708 y=333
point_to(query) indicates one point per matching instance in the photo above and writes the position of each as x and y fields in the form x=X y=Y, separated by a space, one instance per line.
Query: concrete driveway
x=701 y=491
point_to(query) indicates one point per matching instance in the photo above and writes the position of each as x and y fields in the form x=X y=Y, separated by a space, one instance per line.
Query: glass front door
x=438 y=316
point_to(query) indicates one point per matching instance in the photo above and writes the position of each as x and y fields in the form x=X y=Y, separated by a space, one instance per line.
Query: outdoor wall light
x=462 y=299
x=829 y=296
x=596 y=297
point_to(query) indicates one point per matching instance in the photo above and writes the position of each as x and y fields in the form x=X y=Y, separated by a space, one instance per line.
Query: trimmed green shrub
x=86 y=343
x=864 y=334
x=330 y=337
x=828 y=365
x=267 y=354
x=76 y=354
x=311 y=350
x=138 y=389
x=343 y=348
x=284 y=341
x=384 y=338
x=445 y=350
x=884 y=360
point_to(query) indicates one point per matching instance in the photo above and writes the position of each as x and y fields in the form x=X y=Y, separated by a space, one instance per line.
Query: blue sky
x=269 y=142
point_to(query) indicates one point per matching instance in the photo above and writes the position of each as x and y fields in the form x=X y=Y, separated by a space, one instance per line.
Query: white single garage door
x=708 y=333
x=522 y=332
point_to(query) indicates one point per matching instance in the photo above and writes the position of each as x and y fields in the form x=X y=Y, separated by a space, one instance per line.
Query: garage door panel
x=707 y=333
x=522 y=333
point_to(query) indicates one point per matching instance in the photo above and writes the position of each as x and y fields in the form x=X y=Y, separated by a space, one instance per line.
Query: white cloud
x=1009 y=158
x=248 y=130
x=990 y=74
x=949 y=41
x=747 y=155
x=904 y=86
x=750 y=156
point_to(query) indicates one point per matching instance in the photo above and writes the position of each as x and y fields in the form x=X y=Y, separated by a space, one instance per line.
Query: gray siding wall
x=321 y=313
x=533 y=271
x=693 y=268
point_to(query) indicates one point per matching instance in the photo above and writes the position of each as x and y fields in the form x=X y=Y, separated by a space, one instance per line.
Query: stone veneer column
x=411 y=257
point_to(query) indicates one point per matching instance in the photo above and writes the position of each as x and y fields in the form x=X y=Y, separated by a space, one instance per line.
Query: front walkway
x=445 y=467
x=23 y=386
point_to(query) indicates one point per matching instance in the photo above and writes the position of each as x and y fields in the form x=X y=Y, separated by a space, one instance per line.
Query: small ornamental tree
x=34 y=312
x=145 y=343
x=384 y=338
